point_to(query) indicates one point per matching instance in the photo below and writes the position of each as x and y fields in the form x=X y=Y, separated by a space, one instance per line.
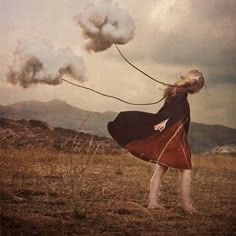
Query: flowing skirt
x=169 y=147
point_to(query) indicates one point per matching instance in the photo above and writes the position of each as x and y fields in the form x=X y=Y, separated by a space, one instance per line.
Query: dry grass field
x=53 y=193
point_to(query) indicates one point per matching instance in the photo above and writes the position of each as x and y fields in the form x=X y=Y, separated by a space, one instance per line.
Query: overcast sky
x=171 y=37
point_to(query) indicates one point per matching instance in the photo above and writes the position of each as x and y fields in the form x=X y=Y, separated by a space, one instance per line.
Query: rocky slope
x=38 y=134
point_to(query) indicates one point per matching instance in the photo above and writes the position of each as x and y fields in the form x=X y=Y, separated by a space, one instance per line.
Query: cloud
x=194 y=32
x=36 y=61
x=103 y=24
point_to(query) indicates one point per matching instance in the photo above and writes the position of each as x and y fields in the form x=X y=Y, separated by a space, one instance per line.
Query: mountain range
x=57 y=113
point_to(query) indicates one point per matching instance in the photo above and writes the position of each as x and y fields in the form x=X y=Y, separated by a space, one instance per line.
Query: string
x=119 y=99
x=114 y=97
x=158 y=81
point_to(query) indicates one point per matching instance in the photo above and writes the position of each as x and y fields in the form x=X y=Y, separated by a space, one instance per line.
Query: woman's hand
x=160 y=126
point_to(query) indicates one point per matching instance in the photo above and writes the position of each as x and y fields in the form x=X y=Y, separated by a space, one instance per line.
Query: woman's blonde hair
x=192 y=82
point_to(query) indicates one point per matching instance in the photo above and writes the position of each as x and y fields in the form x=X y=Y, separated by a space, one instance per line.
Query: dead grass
x=90 y=194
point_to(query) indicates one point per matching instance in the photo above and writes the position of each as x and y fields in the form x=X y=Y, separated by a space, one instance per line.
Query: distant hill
x=57 y=113
x=204 y=137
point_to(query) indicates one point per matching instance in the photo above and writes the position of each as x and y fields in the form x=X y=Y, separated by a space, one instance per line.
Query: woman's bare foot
x=190 y=209
x=155 y=205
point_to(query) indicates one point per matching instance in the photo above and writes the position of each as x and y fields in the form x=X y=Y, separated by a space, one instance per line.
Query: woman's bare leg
x=185 y=182
x=155 y=185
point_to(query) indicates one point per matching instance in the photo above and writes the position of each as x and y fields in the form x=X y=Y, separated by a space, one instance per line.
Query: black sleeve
x=177 y=108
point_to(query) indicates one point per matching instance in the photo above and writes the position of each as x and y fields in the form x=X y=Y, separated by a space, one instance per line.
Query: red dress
x=134 y=131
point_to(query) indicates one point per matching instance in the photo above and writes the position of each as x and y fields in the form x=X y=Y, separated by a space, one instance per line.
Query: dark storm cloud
x=203 y=35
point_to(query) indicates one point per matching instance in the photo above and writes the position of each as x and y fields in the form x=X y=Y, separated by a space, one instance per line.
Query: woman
x=162 y=137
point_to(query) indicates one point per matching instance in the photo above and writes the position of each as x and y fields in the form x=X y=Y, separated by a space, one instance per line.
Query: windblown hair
x=190 y=83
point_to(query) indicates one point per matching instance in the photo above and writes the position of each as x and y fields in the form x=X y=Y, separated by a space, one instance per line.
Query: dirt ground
x=51 y=193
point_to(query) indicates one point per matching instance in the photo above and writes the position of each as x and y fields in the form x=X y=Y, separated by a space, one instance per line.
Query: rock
x=224 y=150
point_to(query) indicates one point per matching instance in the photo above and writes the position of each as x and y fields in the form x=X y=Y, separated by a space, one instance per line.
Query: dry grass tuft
x=94 y=194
